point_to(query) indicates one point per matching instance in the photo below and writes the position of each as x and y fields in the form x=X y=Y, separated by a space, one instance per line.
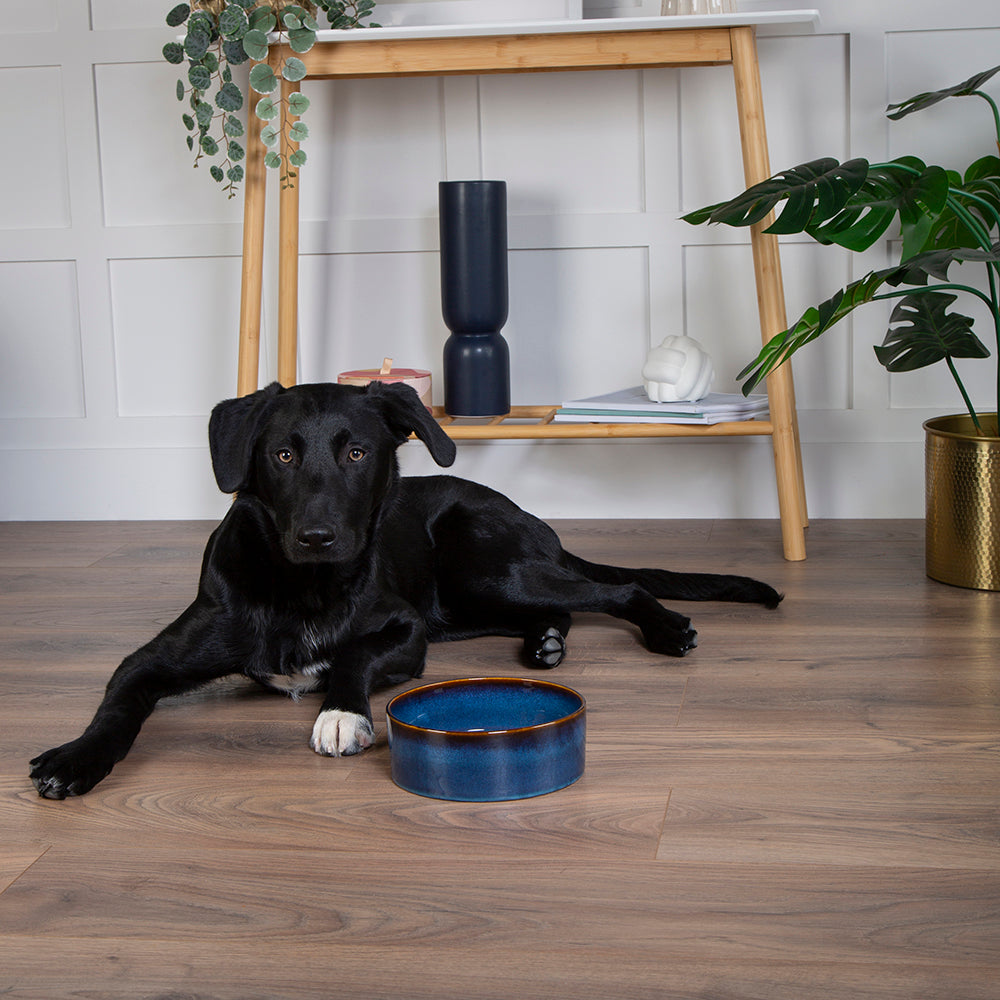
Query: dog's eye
x=356 y=454
x=285 y=455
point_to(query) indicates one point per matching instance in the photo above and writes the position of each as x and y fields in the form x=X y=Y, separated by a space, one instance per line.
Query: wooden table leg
x=288 y=255
x=770 y=298
x=254 y=195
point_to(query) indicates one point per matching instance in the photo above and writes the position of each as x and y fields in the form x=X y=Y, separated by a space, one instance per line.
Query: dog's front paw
x=72 y=769
x=340 y=734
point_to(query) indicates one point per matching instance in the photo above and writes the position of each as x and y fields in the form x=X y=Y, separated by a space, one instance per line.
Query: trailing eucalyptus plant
x=944 y=218
x=220 y=34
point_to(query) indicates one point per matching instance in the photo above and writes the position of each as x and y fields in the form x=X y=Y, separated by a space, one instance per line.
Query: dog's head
x=321 y=459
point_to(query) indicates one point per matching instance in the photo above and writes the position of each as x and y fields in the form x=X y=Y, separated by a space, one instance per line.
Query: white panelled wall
x=119 y=264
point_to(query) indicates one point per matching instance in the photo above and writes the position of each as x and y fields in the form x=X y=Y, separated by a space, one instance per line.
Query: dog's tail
x=666 y=585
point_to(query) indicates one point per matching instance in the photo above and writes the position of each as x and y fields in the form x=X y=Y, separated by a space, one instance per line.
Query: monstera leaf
x=850 y=204
x=814 y=321
x=876 y=285
x=906 y=188
x=922 y=332
x=817 y=189
x=921 y=101
x=943 y=218
x=978 y=193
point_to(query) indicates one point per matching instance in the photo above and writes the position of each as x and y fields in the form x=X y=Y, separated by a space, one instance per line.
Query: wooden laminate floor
x=804 y=807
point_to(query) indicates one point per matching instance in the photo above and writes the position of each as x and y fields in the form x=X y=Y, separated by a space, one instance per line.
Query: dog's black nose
x=315 y=539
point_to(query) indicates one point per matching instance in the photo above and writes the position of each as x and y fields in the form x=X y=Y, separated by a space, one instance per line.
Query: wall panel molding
x=119 y=264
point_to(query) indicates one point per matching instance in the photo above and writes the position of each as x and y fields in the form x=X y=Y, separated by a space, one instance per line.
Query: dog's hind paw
x=545 y=650
x=340 y=734
x=672 y=635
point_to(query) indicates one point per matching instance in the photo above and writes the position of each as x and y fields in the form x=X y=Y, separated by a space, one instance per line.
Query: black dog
x=331 y=572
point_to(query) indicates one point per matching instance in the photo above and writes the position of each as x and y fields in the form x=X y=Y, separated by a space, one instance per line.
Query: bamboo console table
x=626 y=43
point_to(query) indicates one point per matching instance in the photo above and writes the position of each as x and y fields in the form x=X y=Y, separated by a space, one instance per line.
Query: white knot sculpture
x=679 y=369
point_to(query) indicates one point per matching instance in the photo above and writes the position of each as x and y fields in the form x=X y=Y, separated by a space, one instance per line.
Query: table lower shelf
x=527 y=422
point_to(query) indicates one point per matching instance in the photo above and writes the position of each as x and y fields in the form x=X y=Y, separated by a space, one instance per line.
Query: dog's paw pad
x=549 y=649
x=340 y=734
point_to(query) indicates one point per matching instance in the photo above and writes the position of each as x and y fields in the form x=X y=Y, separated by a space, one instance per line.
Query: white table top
x=784 y=20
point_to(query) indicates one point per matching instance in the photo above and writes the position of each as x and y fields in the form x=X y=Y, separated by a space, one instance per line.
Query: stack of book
x=633 y=406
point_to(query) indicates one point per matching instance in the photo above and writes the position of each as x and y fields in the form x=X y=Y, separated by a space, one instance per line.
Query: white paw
x=340 y=734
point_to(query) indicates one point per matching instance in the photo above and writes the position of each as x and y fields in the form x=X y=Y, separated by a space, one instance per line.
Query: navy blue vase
x=473 y=223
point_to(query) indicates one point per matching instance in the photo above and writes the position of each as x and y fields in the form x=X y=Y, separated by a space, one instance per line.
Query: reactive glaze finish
x=486 y=739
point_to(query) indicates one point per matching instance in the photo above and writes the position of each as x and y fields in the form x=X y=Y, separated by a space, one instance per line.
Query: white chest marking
x=301 y=682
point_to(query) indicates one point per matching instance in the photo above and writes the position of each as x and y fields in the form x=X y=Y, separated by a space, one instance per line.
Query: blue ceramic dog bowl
x=486 y=739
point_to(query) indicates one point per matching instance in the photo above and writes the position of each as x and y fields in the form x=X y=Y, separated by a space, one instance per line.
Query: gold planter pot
x=963 y=501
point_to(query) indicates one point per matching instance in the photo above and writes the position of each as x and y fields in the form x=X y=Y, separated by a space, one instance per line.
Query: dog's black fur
x=331 y=572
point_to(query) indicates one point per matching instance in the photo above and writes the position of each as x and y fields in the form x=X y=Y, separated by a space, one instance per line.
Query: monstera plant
x=946 y=220
x=220 y=34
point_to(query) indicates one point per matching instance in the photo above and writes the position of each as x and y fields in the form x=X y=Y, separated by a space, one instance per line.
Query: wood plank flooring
x=804 y=807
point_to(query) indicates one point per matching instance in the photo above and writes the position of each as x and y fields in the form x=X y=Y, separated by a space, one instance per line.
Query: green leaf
x=297 y=158
x=301 y=39
x=299 y=132
x=262 y=19
x=290 y=20
x=269 y=135
x=262 y=78
x=814 y=191
x=229 y=97
x=925 y=100
x=204 y=113
x=209 y=145
x=818 y=191
x=293 y=70
x=173 y=52
x=922 y=332
x=201 y=20
x=850 y=204
x=233 y=22
x=190 y=142
x=236 y=151
x=196 y=44
x=814 y=321
x=266 y=109
x=216 y=172
x=188 y=122
x=272 y=159
x=920 y=206
x=298 y=103
x=234 y=52
x=178 y=15
x=199 y=78
x=817 y=319
x=233 y=126
x=907 y=188
x=255 y=44
x=179 y=90
x=982 y=180
x=235 y=174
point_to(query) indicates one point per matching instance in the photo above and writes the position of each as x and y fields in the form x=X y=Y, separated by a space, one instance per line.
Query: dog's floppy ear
x=406 y=415
x=232 y=433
